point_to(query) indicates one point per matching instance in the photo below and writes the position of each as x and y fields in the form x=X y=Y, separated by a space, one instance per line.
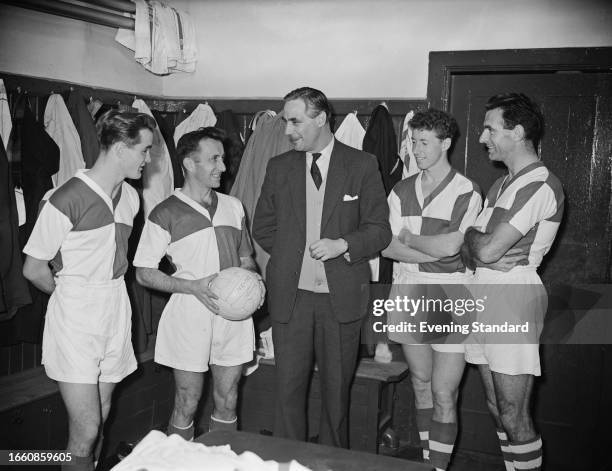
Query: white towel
x=6 y=124
x=157 y=177
x=203 y=116
x=60 y=127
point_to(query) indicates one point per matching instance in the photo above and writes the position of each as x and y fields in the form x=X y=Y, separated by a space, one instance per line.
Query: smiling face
x=429 y=150
x=206 y=164
x=499 y=140
x=304 y=132
x=134 y=158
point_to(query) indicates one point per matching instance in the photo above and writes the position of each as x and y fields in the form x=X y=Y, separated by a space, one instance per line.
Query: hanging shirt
x=157 y=176
x=351 y=132
x=6 y=123
x=202 y=117
x=405 y=153
x=60 y=127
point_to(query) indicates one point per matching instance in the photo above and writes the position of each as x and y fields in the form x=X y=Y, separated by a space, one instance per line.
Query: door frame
x=444 y=64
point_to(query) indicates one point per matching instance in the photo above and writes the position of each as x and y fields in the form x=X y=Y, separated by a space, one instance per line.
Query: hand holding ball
x=240 y=293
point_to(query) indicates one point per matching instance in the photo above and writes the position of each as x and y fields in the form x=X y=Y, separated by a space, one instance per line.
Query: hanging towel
x=164 y=39
x=60 y=127
x=351 y=132
x=157 y=177
x=6 y=123
x=410 y=166
x=85 y=126
x=203 y=116
x=267 y=141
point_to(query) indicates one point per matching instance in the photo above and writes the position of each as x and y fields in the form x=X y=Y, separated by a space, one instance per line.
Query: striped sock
x=527 y=455
x=441 y=442
x=504 y=444
x=423 y=420
x=184 y=432
x=220 y=424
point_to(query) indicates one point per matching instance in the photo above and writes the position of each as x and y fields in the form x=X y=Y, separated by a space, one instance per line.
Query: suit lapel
x=335 y=183
x=297 y=179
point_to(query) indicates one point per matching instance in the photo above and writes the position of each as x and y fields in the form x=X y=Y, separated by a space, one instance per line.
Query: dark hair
x=190 y=142
x=315 y=100
x=114 y=126
x=442 y=123
x=518 y=108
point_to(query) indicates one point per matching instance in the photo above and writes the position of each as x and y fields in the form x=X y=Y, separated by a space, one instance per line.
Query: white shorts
x=88 y=333
x=190 y=337
x=412 y=278
x=508 y=358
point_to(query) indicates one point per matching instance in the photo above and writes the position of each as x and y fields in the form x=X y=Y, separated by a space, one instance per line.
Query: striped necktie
x=314 y=170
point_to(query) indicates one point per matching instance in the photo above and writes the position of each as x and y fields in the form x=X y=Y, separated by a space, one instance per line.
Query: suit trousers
x=314 y=334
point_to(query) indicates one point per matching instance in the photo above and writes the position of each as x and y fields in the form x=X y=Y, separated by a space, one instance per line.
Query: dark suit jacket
x=279 y=226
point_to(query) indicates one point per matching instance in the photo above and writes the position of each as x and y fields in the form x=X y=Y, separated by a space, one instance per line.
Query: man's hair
x=442 y=123
x=518 y=108
x=190 y=142
x=114 y=126
x=315 y=100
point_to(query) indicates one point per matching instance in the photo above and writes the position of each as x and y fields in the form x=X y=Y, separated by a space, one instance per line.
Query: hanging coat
x=6 y=123
x=167 y=133
x=267 y=141
x=14 y=291
x=380 y=139
x=85 y=126
x=234 y=148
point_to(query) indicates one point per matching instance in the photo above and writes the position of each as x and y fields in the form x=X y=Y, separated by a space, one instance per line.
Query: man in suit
x=321 y=215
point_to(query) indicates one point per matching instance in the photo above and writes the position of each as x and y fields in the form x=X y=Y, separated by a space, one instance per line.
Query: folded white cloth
x=157 y=452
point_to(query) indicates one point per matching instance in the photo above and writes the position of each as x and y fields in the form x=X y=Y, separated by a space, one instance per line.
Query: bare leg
x=513 y=397
x=225 y=393
x=188 y=390
x=447 y=373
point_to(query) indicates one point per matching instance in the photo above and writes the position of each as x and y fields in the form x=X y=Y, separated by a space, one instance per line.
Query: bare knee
x=83 y=433
x=225 y=402
x=422 y=391
x=445 y=404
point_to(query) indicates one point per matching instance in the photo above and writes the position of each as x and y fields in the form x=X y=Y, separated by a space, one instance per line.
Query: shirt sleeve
x=471 y=213
x=246 y=248
x=395 y=213
x=51 y=228
x=152 y=246
x=532 y=204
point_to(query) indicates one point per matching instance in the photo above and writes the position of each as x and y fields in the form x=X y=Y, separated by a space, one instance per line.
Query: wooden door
x=572 y=400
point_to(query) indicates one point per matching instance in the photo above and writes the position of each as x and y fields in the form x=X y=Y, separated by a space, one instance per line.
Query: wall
x=360 y=48
x=48 y=46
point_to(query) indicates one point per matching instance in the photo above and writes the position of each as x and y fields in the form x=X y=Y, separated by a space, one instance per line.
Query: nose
x=483 y=138
x=221 y=165
x=148 y=157
x=288 y=128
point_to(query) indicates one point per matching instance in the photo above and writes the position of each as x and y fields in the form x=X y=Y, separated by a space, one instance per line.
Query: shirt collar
x=323 y=161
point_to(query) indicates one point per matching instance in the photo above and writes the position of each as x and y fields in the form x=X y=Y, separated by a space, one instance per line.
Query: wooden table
x=311 y=455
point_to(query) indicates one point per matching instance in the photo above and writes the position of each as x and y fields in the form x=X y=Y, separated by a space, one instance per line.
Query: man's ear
x=518 y=133
x=188 y=164
x=446 y=143
x=321 y=119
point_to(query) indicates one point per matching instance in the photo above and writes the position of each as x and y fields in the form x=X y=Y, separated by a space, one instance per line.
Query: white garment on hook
x=20 y=202
x=351 y=132
x=163 y=40
x=157 y=176
x=60 y=127
x=410 y=165
x=203 y=116
x=6 y=124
